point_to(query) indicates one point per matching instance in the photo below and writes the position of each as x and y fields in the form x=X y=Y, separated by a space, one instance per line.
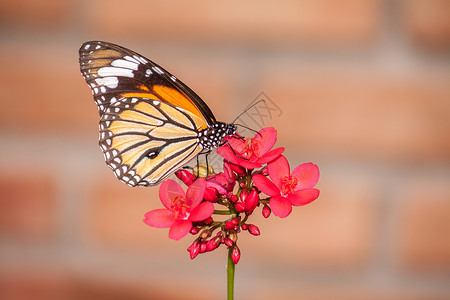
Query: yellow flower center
x=179 y=207
x=288 y=184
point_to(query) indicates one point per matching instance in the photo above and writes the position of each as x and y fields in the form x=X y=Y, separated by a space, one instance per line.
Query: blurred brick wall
x=364 y=87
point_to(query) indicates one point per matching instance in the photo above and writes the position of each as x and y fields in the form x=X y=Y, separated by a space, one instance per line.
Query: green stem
x=230 y=276
x=222 y=212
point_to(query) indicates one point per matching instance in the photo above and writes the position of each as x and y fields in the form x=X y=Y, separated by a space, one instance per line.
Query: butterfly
x=151 y=123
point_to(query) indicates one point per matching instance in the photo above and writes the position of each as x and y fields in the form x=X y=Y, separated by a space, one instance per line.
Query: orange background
x=364 y=90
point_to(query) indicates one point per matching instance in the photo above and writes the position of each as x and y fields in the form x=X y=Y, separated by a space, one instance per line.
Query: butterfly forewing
x=111 y=70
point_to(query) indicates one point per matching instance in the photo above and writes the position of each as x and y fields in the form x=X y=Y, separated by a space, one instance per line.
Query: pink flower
x=253 y=152
x=181 y=208
x=287 y=189
x=218 y=184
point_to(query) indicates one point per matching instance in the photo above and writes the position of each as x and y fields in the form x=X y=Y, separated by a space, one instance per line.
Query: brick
x=44 y=90
x=28 y=205
x=287 y=21
x=427 y=22
x=424 y=226
x=366 y=114
x=31 y=14
x=335 y=231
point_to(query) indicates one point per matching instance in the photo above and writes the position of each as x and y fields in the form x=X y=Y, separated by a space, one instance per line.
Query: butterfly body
x=151 y=124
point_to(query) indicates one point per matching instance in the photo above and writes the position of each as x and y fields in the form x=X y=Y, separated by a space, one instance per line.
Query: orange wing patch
x=143 y=87
x=176 y=98
x=105 y=53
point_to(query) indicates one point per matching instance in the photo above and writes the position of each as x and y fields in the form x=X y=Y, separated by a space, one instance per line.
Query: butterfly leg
x=207 y=165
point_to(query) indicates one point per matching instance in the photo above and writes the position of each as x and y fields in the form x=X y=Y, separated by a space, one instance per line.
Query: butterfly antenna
x=262 y=100
x=249 y=129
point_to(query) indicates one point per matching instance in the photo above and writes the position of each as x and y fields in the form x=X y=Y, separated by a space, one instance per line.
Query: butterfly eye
x=231 y=129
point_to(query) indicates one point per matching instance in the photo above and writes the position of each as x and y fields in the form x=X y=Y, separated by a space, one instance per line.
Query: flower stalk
x=230 y=275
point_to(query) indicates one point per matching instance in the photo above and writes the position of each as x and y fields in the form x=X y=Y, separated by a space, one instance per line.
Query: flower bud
x=233 y=198
x=241 y=185
x=194 y=249
x=252 y=201
x=194 y=230
x=203 y=247
x=253 y=229
x=240 y=207
x=235 y=254
x=185 y=176
x=243 y=195
x=244 y=226
x=236 y=221
x=266 y=211
x=228 y=242
x=213 y=243
x=229 y=225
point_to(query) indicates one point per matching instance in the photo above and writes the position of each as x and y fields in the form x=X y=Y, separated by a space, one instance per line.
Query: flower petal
x=280 y=206
x=303 y=197
x=201 y=212
x=265 y=138
x=194 y=194
x=271 y=155
x=160 y=218
x=179 y=229
x=249 y=164
x=265 y=185
x=278 y=169
x=227 y=153
x=307 y=175
x=237 y=144
x=168 y=190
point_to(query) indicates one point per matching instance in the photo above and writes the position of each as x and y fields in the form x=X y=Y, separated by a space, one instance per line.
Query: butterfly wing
x=149 y=120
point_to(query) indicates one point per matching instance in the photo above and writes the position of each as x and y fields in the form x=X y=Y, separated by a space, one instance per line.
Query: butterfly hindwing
x=143 y=143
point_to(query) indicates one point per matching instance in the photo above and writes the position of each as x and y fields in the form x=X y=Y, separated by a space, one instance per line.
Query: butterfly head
x=231 y=129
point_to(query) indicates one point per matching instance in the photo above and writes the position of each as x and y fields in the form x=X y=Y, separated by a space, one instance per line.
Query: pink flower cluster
x=251 y=167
